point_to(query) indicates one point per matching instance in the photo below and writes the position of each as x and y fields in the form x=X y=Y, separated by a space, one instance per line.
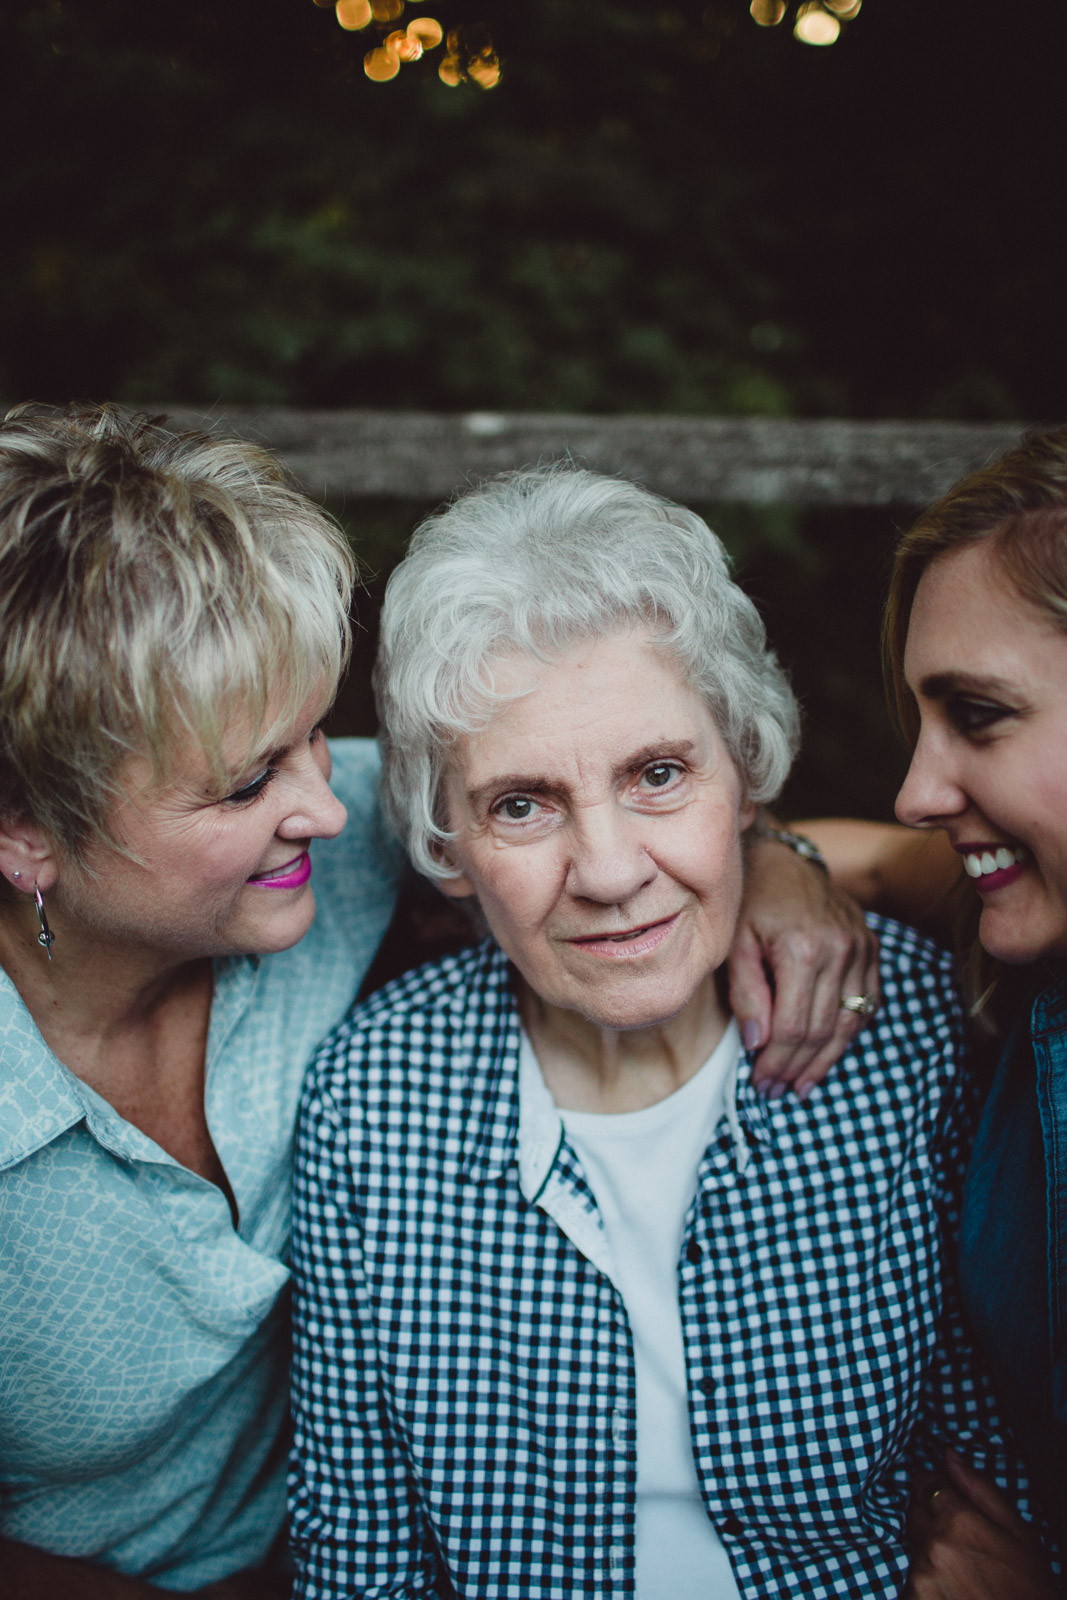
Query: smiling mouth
x=645 y=936
x=983 y=861
x=290 y=875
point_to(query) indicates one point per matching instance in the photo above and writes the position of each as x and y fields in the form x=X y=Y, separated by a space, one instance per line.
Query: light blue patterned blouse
x=144 y=1343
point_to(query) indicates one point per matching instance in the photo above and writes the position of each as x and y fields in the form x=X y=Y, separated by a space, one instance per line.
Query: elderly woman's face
x=213 y=876
x=598 y=821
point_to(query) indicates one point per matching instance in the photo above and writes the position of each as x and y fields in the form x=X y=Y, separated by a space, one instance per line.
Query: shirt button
x=693 y=1253
x=707 y=1387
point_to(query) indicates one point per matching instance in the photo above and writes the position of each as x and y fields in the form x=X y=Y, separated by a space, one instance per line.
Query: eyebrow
x=538 y=783
x=939 y=685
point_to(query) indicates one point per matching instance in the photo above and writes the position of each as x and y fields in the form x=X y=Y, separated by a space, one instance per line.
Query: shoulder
x=914 y=1046
x=916 y=973
x=429 y=1019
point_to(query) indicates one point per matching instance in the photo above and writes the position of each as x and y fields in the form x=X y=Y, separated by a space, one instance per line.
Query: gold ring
x=861 y=1005
x=930 y=1497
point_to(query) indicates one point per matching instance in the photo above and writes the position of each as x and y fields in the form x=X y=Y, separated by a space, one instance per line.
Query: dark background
x=659 y=208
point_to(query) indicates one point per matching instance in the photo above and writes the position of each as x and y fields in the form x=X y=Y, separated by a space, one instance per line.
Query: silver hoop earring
x=46 y=937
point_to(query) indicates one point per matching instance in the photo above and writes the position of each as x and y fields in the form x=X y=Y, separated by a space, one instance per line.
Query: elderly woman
x=578 y=1312
x=173 y=621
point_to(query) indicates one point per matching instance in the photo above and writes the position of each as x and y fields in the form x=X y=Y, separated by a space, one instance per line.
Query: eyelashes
x=251 y=791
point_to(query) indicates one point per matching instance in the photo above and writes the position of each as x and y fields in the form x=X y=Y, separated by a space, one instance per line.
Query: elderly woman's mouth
x=635 y=941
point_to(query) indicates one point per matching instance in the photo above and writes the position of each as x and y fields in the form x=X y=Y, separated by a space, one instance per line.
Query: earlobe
x=460 y=888
x=27 y=856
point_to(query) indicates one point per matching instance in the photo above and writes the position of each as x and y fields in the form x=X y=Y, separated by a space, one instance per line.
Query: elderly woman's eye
x=516 y=808
x=659 y=774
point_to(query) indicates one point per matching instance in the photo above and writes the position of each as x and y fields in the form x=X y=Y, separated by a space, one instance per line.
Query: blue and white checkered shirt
x=464 y=1375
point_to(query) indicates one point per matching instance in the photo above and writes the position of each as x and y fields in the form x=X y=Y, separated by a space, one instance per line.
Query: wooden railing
x=345 y=455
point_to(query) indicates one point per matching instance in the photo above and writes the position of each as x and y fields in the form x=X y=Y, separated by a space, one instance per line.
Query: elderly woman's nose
x=608 y=860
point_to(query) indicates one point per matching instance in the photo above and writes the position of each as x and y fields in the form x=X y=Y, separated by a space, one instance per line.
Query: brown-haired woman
x=976 y=636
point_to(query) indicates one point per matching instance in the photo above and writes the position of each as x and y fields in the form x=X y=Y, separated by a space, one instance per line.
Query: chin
x=282 y=932
x=631 y=1011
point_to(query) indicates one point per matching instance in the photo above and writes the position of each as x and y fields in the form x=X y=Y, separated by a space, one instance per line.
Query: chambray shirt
x=464 y=1390
x=144 y=1342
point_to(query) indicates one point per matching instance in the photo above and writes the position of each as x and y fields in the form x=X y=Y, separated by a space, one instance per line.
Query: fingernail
x=777 y=1090
x=803 y=1090
x=750 y=1034
x=764 y=1086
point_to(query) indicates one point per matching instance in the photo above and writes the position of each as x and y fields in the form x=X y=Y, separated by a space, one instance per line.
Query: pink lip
x=642 y=939
x=991 y=881
x=289 y=879
x=999 y=879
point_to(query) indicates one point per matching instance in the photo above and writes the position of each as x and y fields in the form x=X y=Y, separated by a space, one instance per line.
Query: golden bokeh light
x=485 y=72
x=768 y=13
x=469 y=56
x=843 y=9
x=428 y=31
x=815 y=25
x=353 y=14
x=381 y=64
x=405 y=45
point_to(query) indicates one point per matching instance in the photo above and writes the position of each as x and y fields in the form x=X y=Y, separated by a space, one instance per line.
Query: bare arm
x=35 y=1575
x=905 y=873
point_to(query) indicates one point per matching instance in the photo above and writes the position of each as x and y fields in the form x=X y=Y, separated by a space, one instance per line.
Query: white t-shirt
x=642 y=1168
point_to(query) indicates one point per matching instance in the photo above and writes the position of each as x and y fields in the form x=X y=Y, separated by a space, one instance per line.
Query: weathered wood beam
x=758 y=461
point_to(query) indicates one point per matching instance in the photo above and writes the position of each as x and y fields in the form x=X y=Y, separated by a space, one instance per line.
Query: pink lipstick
x=292 y=875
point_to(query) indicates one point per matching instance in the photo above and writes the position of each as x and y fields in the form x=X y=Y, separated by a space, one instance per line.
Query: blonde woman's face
x=598 y=820
x=212 y=876
x=989 y=675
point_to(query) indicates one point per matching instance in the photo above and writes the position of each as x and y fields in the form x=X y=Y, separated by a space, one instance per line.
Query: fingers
x=960 y=1552
x=751 y=998
x=801 y=945
x=984 y=1495
x=809 y=1031
x=860 y=977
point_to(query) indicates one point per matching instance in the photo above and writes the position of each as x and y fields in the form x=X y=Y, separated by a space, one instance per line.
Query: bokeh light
x=353 y=14
x=381 y=64
x=405 y=45
x=386 y=10
x=845 y=10
x=768 y=13
x=815 y=25
x=428 y=31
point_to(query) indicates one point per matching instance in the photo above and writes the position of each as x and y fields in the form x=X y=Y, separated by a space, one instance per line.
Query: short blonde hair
x=153 y=585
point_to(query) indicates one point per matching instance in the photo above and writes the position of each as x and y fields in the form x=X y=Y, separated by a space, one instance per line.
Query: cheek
x=520 y=886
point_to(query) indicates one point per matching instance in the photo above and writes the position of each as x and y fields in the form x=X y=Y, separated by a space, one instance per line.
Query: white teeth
x=979 y=865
